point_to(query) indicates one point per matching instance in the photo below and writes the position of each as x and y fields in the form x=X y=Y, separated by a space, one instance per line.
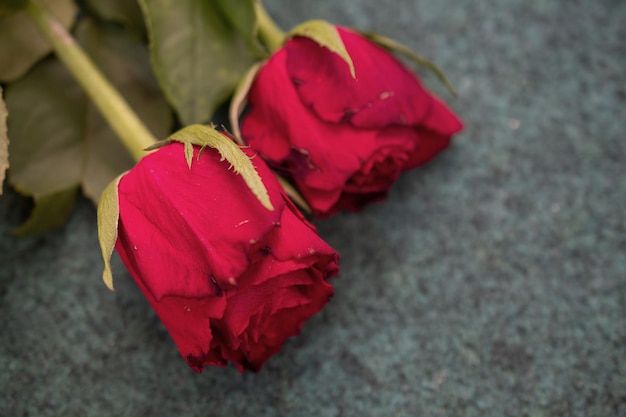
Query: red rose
x=344 y=141
x=229 y=279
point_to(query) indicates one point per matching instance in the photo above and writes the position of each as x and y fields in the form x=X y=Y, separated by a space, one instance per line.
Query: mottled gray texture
x=492 y=282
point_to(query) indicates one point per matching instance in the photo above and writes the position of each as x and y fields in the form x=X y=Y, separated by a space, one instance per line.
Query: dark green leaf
x=21 y=44
x=60 y=141
x=50 y=212
x=242 y=17
x=46 y=126
x=198 y=55
x=126 y=12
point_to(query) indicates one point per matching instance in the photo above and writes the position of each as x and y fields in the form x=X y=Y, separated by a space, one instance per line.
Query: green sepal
x=294 y=195
x=237 y=104
x=396 y=46
x=108 y=217
x=4 y=140
x=240 y=98
x=241 y=164
x=327 y=36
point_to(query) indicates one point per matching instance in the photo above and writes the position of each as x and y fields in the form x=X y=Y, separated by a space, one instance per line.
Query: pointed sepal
x=240 y=99
x=203 y=136
x=327 y=36
x=294 y=195
x=108 y=216
x=395 y=46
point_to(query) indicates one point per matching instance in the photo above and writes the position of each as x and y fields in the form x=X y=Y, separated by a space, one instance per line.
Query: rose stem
x=269 y=32
x=130 y=130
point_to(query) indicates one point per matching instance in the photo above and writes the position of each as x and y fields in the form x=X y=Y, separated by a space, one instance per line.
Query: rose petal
x=187 y=320
x=384 y=92
x=428 y=146
x=288 y=135
x=185 y=237
x=343 y=141
x=258 y=327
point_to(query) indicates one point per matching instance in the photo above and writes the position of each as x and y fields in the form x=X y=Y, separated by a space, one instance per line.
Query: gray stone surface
x=492 y=282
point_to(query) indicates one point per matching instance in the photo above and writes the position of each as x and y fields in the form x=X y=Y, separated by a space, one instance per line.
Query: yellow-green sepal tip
x=203 y=136
x=327 y=36
x=108 y=217
x=396 y=46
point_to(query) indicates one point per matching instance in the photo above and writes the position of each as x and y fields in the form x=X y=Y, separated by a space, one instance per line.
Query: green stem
x=269 y=32
x=131 y=131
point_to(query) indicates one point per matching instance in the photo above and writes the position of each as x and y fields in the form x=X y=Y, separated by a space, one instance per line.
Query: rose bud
x=229 y=278
x=343 y=133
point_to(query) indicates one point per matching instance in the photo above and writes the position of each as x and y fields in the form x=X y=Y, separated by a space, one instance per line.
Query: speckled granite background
x=491 y=283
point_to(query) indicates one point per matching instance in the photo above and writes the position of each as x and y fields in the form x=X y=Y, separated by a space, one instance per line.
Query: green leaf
x=45 y=125
x=126 y=12
x=108 y=216
x=4 y=141
x=197 y=55
x=204 y=136
x=21 y=43
x=60 y=141
x=242 y=17
x=395 y=46
x=327 y=36
x=50 y=212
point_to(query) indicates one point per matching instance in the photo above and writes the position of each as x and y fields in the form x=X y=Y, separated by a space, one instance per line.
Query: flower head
x=344 y=140
x=229 y=279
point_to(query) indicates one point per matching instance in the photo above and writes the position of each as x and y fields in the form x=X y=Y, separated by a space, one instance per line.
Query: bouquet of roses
x=209 y=221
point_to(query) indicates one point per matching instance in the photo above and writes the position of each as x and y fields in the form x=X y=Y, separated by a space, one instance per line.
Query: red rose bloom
x=229 y=279
x=344 y=141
